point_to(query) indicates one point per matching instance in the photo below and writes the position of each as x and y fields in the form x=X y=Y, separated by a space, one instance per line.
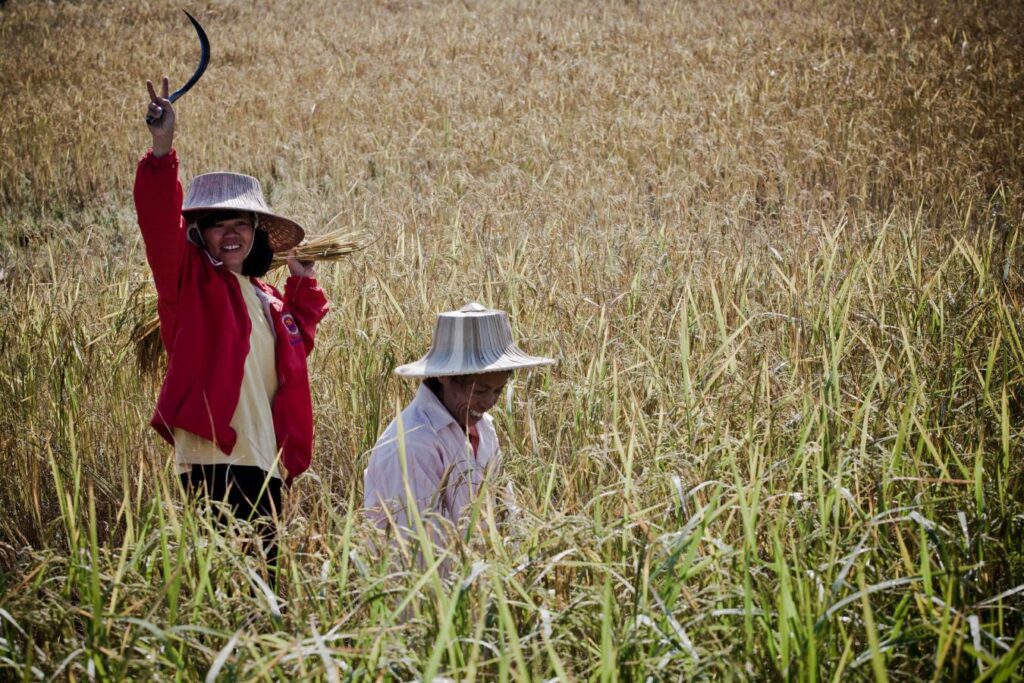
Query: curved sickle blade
x=204 y=59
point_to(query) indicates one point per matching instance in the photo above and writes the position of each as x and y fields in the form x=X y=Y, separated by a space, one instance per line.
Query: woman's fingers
x=301 y=268
x=158 y=104
x=160 y=118
x=155 y=110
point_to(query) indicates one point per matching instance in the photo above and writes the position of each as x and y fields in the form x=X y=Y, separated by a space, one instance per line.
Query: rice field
x=775 y=246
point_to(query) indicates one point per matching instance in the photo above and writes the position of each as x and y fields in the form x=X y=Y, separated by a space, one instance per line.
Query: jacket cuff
x=169 y=160
x=300 y=281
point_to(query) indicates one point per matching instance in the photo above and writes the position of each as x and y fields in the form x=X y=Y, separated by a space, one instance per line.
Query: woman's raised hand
x=301 y=268
x=160 y=118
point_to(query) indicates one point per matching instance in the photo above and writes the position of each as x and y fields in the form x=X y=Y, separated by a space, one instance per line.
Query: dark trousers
x=249 y=493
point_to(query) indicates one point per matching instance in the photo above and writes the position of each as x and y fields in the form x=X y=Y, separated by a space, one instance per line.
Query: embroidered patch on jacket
x=289 y=324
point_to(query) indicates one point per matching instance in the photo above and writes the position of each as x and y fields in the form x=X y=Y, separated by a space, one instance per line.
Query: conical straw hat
x=471 y=341
x=234 y=191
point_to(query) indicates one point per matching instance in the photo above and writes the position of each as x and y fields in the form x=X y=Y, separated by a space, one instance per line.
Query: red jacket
x=205 y=329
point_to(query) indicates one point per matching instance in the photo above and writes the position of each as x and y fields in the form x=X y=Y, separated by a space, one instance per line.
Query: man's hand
x=161 y=112
x=301 y=268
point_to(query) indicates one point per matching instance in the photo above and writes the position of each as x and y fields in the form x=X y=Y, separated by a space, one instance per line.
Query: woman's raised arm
x=158 y=199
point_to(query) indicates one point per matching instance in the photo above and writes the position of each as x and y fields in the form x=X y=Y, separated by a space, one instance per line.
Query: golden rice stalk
x=140 y=310
x=149 y=348
x=139 y=315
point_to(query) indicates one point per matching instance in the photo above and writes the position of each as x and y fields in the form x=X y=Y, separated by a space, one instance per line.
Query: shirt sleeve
x=158 y=199
x=385 y=493
x=308 y=304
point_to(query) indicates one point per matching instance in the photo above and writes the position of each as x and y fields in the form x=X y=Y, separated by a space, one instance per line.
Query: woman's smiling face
x=229 y=240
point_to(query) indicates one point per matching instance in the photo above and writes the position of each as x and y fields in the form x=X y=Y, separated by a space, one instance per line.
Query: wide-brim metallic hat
x=238 y=192
x=471 y=341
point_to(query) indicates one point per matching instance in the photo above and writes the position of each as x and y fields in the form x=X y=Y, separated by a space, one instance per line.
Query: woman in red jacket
x=235 y=402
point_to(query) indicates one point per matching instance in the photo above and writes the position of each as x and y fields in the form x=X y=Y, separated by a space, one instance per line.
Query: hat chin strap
x=194 y=235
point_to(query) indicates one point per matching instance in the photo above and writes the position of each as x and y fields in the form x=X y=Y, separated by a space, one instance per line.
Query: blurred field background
x=776 y=247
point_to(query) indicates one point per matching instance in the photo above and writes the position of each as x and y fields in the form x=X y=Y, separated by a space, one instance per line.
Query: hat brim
x=428 y=367
x=282 y=233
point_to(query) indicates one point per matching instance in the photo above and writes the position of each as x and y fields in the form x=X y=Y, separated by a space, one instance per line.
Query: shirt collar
x=437 y=415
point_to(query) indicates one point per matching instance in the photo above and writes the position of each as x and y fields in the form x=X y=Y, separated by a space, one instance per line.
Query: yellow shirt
x=253 y=420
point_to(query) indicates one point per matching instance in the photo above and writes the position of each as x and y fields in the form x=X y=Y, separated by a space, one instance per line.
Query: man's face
x=229 y=241
x=468 y=397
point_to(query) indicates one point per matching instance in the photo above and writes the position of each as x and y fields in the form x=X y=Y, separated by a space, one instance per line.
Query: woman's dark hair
x=257 y=263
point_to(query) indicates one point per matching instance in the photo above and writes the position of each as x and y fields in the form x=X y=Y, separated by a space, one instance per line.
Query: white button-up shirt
x=443 y=473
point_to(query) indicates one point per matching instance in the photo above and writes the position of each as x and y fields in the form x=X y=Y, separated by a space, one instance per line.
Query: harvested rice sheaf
x=330 y=247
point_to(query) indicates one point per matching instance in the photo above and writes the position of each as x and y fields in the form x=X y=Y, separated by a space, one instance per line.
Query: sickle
x=204 y=59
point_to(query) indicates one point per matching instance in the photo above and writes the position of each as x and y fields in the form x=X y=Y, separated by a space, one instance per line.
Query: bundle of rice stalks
x=329 y=247
x=140 y=309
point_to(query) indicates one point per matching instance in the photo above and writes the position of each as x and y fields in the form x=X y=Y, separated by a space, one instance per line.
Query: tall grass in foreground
x=777 y=251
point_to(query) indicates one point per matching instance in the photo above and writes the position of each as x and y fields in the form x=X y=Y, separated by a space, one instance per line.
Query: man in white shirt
x=438 y=453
